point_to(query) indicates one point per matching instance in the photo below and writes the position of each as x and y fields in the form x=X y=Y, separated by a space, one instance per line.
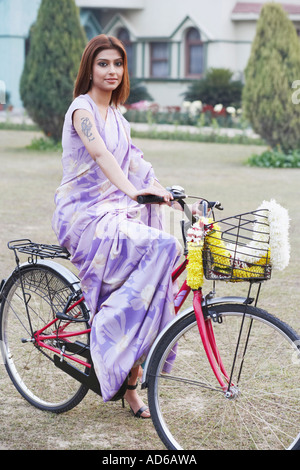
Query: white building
x=173 y=41
x=169 y=42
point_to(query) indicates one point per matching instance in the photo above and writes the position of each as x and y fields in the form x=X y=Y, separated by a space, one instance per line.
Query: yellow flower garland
x=195 y=266
x=222 y=260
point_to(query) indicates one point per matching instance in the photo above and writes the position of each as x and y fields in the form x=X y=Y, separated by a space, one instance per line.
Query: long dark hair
x=94 y=46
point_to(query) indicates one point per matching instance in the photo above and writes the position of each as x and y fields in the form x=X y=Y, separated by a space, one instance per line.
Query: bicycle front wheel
x=190 y=410
x=31 y=368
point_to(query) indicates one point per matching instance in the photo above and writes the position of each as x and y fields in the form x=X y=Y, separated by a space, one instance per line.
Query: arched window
x=159 y=67
x=123 y=35
x=194 y=53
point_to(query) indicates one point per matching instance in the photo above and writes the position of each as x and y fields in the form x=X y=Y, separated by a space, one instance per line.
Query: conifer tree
x=57 y=41
x=273 y=66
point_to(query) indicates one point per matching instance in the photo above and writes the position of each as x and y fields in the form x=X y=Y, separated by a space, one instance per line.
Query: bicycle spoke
x=189 y=382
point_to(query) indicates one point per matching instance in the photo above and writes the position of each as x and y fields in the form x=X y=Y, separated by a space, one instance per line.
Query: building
x=169 y=42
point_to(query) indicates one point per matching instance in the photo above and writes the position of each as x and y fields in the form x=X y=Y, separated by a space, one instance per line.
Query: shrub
x=216 y=87
x=138 y=92
x=45 y=144
x=57 y=41
x=276 y=158
x=273 y=65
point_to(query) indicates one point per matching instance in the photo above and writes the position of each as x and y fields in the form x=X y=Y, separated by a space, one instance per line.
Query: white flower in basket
x=279 y=223
x=273 y=235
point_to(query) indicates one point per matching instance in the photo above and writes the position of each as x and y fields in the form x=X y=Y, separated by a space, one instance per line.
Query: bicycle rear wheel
x=190 y=410
x=30 y=367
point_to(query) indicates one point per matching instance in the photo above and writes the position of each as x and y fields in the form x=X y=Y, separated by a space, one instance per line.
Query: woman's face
x=108 y=69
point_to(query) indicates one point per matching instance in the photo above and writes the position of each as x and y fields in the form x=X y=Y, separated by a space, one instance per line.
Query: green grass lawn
x=213 y=171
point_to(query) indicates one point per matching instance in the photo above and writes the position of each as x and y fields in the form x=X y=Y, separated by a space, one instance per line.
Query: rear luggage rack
x=38 y=250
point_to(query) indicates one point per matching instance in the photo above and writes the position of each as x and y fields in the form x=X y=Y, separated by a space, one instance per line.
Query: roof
x=245 y=10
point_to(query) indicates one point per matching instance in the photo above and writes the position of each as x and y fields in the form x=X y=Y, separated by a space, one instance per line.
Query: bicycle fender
x=2 y=284
x=179 y=316
x=65 y=272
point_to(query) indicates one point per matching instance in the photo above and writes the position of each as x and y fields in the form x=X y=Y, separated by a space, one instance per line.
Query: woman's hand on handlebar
x=155 y=190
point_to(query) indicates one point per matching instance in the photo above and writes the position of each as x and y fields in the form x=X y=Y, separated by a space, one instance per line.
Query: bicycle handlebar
x=179 y=195
x=149 y=199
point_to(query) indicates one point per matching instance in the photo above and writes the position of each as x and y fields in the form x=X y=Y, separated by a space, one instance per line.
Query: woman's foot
x=138 y=407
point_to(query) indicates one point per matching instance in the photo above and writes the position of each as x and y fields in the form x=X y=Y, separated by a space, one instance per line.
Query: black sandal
x=129 y=387
x=139 y=412
x=132 y=387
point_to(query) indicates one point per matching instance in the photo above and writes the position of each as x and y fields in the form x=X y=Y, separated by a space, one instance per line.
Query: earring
x=91 y=77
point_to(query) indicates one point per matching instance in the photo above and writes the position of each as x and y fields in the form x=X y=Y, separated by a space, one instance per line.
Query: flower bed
x=189 y=113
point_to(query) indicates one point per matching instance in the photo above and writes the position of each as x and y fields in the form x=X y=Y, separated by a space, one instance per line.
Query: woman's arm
x=84 y=124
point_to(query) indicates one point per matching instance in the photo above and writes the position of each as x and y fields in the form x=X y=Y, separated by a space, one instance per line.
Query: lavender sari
x=123 y=256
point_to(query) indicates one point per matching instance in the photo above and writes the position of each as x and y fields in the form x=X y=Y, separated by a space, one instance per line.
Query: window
x=123 y=35
x=194 y=53
x=159 y=59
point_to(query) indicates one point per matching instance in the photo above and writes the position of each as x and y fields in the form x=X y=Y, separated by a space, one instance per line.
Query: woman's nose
x=112 y=69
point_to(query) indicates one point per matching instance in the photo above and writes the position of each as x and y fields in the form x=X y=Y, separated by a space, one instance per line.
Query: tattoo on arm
x=86 y=127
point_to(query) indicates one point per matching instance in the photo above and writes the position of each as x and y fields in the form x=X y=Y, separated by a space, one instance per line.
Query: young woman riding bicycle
x=124 y=257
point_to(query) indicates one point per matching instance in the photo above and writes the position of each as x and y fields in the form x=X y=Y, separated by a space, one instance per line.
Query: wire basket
x=237 y=248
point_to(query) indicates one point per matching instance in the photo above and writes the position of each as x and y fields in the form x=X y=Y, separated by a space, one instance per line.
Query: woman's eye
x=105 y=64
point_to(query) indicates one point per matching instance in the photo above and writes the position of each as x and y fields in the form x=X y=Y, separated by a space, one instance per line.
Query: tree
x=273 y=66
x=217 y=87
x=57 y=41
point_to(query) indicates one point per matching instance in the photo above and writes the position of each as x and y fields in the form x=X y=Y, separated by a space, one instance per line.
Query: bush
x=276 y=158
x=57 y=41
x=138 y=92
x=45 y=144
x=273 y=65
x=216 y=87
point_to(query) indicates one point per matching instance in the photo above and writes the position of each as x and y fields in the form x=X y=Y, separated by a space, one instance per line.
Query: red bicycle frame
x=204 y=326
x=40 y=339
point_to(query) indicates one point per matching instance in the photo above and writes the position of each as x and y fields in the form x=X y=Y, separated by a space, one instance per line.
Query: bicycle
x=232 y=369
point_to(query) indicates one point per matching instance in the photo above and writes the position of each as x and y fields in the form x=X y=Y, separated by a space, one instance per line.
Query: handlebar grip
x=148 y=199
x=219 y=206
x=213 y=205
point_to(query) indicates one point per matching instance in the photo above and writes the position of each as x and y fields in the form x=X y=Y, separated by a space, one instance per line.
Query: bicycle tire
x=188 y=407
x=31 y=368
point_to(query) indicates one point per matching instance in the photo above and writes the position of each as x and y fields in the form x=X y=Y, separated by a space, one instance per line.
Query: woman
x=123 y=256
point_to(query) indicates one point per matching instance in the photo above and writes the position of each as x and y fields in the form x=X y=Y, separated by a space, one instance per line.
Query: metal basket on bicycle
x=238 y=248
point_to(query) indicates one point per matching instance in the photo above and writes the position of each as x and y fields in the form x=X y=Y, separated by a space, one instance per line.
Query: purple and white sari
x=123 y=256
